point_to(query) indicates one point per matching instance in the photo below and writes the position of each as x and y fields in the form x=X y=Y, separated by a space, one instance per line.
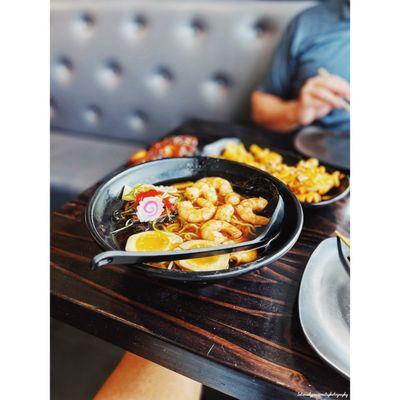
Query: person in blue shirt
x=295 y=94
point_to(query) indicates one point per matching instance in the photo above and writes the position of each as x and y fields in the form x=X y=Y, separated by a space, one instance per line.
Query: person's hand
x=319 y=96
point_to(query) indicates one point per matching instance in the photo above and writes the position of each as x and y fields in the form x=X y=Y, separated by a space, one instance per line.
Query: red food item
x=168 y=205
x=174 y=146
x=147 y=193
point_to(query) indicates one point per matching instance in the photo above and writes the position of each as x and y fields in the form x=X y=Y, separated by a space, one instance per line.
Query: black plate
x=332 y=148
x=107 y=199
x=290 y=158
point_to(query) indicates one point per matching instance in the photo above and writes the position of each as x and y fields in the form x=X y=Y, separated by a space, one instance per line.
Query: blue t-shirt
x=316 y=38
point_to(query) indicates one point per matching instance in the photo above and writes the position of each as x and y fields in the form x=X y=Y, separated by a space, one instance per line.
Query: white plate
x=217 y=147
x=324 y=305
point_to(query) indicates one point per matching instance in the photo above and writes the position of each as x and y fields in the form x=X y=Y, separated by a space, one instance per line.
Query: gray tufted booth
x=125 y=72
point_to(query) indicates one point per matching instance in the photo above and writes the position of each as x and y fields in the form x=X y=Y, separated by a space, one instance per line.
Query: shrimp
x=224 y=212
x=201 y=189
x=241 y=257
x=222 y=186
x=202 y=202
x=232 y=198
x=246 y=209
x=212 y=230
x=190 y=214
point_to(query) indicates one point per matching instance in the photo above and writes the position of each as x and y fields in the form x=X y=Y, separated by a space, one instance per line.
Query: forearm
x=140 y=379
x=274 y=113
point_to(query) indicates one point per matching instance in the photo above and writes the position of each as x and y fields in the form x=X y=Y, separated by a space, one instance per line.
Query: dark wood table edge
x=219 y=377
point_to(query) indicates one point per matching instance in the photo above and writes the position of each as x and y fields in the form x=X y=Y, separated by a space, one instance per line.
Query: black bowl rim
x=332 y=200
x=323 y=203
x=203 y=276
x=329 y=168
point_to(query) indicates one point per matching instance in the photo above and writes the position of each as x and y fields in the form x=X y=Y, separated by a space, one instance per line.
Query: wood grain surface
x=242 y=337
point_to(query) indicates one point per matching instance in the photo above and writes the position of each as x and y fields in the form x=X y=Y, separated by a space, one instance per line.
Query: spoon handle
x=134 y=257
x=274 y=209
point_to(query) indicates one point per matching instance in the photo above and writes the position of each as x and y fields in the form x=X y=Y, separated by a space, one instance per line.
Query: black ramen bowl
x=246 y=180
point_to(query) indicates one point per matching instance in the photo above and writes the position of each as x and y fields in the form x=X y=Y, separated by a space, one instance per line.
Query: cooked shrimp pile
x=212 y=210
x=308 y=180
x=191 y=215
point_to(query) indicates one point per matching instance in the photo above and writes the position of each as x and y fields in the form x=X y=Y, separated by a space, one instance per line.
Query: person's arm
x=135 y=378
x=318 y=96
x=274 y=113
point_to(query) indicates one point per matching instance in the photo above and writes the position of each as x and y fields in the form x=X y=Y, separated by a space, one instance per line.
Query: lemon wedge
x=153 y=241
x=212 y=263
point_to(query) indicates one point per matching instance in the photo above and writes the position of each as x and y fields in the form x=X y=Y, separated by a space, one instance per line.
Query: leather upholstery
x=79 y=162
x=136 y=69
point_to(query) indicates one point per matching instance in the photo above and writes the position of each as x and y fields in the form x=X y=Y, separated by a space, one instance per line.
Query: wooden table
x=242 y=337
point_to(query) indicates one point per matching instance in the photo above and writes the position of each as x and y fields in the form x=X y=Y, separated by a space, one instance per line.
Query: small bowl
x=247 y=180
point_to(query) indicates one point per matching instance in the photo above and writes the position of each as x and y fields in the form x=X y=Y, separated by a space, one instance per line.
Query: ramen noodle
x=188 y=215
